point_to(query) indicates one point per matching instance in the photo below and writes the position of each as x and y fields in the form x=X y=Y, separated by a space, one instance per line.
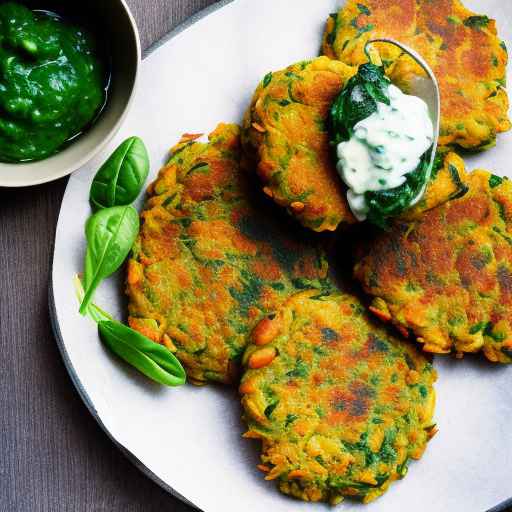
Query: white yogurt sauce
x=384 y=148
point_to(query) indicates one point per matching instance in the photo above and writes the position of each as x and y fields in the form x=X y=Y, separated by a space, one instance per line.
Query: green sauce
x=52 y=84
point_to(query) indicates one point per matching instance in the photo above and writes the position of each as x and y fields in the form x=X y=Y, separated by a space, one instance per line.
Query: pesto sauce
x=52 y=84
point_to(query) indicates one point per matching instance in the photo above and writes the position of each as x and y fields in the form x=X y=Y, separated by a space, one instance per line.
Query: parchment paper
x=190 y=438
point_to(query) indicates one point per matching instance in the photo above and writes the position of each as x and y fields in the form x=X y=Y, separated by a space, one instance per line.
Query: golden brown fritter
x=447 y=278
x=463 y=49
x=339 y=405
x=211 y=260
x=285 y=134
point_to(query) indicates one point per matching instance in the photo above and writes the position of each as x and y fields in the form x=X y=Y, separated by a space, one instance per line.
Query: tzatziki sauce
x=384 y=148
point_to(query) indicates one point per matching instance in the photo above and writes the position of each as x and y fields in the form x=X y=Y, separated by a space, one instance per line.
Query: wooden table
x=53 y=455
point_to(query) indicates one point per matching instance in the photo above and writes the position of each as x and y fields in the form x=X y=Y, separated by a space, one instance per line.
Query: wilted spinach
x=357 y=101
x=110 y=235
x=120 y=179
x=385 y=204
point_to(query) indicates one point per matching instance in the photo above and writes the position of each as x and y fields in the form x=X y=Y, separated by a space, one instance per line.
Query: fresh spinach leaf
x=110 y=235
x=121 y=178
x=153 y=360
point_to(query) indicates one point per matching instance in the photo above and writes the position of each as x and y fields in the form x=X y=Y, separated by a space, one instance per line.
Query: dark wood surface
x=53 y=455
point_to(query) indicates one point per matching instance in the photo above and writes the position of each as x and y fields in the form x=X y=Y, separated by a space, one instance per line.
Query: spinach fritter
x=446 y=278
x=340 y=406
x=213 y=258
x=463 y=49
x=285 y=133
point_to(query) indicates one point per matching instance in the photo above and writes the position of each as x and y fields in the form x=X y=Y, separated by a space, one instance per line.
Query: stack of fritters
x=218 y=274
x=285 y=134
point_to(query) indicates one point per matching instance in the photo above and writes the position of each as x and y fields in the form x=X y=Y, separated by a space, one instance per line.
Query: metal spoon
x=426 y=88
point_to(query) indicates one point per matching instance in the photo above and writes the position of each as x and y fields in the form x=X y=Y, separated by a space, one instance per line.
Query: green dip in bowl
x=53 y=83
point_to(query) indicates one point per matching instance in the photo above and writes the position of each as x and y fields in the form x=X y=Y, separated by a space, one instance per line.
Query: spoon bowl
x=426 y=88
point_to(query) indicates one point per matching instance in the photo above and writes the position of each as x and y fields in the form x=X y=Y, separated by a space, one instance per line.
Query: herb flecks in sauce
x=52 y=85
x=383 y=138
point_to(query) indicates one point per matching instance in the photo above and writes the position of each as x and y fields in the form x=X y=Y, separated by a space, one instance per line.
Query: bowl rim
x=14 y=183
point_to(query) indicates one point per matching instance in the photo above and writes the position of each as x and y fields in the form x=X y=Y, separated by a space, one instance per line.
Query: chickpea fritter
x=447 y=278
x=339 y=405
x=212 y=259
x=285 y=133
x=463 y=49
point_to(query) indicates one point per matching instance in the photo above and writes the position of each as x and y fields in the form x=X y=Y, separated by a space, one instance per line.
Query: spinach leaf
x=110 y=236
x=153 y=360
x=121 y=178
x=357 y=101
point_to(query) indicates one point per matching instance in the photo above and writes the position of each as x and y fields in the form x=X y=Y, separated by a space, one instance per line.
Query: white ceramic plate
x=188 y=439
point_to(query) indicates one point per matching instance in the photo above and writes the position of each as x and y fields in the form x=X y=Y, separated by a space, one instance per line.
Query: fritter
x=339 y=405
x=447 y=278
x=285 y=135
x=463 y=49
x=210 y=260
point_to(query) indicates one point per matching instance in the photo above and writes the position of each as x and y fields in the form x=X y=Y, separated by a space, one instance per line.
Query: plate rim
x=505 y=506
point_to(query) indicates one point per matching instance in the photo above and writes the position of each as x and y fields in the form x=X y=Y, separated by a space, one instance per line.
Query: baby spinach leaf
x=121 y=178
x=153 y=360
x=110 y=235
